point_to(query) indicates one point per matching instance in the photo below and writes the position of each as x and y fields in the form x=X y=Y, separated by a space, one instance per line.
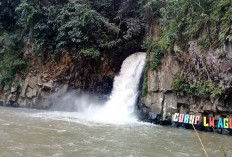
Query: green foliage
x=8 y=16
x=199 y=88
x=78 y=27
x=145 y=86
x=209 y=22
x=156 y=59
x=147 y=43
x=145 y=79
x=156 y=48
x=75 y=26
x=11 y=59
x=178 y=84
x=69 y=27
x=91 y=53
x=151 y=9
x=107 y=8
x=204 y=43
x=180 y=21
x=221 y=54
x=28 y=13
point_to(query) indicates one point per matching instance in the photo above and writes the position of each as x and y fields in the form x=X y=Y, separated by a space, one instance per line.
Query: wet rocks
x=146 y=115
x=154 y=102
x=193 y=64
x=27 y=93
x=160 y=99
x=35 y=89
x=143 y=113
x=48 y=85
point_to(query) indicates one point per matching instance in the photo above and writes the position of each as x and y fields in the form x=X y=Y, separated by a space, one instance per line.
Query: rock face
x=161 y=98
x=36 y=89
x=31 y=92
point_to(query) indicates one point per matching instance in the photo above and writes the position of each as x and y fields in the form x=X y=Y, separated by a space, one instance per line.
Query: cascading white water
x=121 y=104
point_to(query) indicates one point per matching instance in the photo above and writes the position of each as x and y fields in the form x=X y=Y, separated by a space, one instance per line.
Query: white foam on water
x=121 y=104
x=119 y=109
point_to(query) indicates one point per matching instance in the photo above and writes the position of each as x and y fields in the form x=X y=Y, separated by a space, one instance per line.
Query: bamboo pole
x=200 y=141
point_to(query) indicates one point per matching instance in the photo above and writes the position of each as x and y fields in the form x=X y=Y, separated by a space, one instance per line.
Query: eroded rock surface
x=161 y=98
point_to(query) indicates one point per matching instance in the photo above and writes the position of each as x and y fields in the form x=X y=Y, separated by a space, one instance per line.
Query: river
x=96 y=129
x=35 y=133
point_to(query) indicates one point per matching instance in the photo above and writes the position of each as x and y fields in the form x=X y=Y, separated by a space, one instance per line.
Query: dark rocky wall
x=161 y=101
x=35 y=88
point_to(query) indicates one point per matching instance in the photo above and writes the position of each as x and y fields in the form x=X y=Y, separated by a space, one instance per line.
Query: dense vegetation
x=92 y=29
x=180 y=21
x=88 y=29
x=208 y=22
x=200 y=88
x=11 y=58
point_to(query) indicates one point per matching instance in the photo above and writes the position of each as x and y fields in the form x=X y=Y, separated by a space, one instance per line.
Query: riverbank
x=146 y=115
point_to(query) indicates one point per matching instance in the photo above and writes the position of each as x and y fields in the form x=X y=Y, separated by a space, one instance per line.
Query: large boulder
x=154 y=102
x=32 y=81
x=11 y=98
x=32 y=92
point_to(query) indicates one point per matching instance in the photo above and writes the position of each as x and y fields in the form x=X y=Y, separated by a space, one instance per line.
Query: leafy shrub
x=10 y=63
x=8 y=16
x=11 y=56
x=200 y=88
x=156 y=59
x=206 y=21
x=69 y=27
x=155 y=48
x=107 y=8
x=90 y=53
x=74 y=26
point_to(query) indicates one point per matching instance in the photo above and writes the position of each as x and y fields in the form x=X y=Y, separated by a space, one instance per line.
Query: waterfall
x=121 y=104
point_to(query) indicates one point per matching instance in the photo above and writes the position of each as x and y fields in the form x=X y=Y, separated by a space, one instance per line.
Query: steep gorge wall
x=189 y=60
x=162 y=99
x=35 y=88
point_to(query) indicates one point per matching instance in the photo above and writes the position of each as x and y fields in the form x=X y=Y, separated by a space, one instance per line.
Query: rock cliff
x=162 y=100
x=35 y=88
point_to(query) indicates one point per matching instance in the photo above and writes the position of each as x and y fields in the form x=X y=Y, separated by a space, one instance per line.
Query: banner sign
x=207 y=121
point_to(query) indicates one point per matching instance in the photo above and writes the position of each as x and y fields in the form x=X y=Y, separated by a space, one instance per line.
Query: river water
x=100 y=129
x=34 y=133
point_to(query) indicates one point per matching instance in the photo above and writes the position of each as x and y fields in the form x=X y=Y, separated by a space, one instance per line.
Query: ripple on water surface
x=34 y=133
